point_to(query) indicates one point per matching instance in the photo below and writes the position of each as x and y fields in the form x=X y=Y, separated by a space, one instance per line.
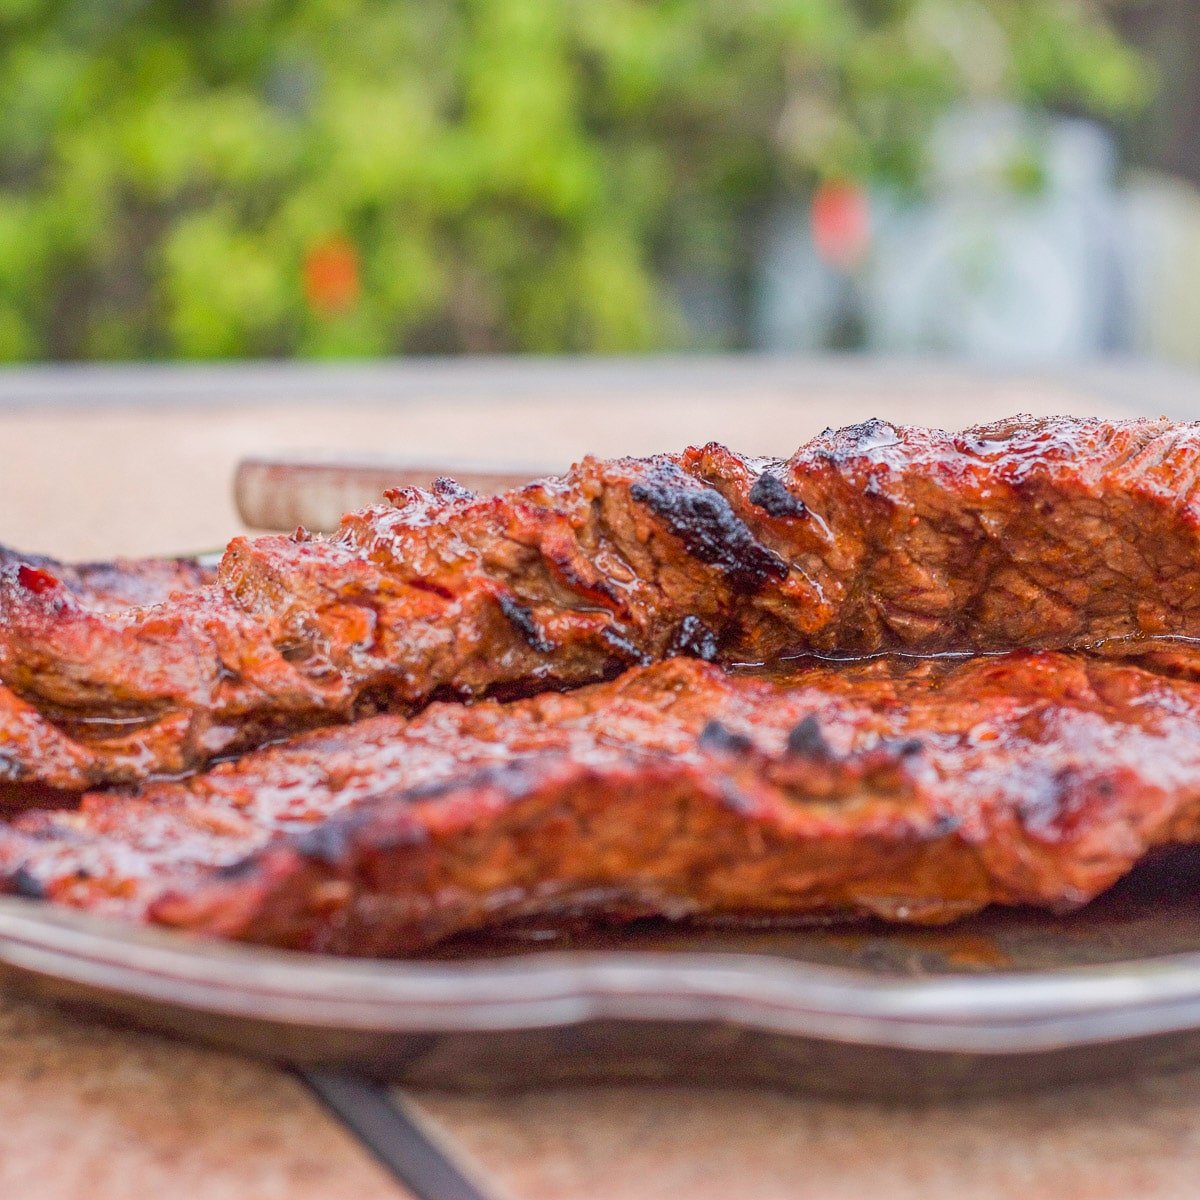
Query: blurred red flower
x=840 y=218
x=331 y=275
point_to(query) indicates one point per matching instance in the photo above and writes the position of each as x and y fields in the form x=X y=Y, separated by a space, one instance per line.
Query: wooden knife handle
x=284 y=493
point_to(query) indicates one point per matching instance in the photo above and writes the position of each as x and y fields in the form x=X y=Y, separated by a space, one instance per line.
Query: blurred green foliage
x=206 y=178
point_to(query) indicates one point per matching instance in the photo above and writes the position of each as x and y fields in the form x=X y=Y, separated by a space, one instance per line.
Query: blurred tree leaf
x=507 y=174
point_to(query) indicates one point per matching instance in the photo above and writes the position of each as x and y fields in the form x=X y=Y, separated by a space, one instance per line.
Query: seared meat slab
x=123 y=583
x=36 y=754
x=915 y=790
x=1040 y=533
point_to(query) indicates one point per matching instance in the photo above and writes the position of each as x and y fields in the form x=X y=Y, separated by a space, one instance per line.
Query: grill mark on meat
x=708 y=528
x=521 y=618
x=434 y=589
x=623 y=647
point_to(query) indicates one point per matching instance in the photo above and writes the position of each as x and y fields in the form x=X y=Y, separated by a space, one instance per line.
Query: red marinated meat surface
x=914 y=790
x=1046 y=533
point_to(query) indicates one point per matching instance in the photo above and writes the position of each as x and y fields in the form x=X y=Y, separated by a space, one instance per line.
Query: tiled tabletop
x=138 y=461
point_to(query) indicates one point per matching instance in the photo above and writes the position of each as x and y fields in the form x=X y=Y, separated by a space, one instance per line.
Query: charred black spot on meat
x=693 y=639
x=23 y=882
x=445 y=488
x=807 y=741
x=905 y=747
x=721 y=739
x=708 y=528
x=521 y=619
x=771 y=495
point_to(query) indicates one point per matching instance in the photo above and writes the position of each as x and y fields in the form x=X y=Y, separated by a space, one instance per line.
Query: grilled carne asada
x=122 y=583
x=1026 y=533
x=913 y=790
x=35 y=754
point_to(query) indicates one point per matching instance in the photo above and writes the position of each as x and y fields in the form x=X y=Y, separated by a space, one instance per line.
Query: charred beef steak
x=915 y=790
x=1027 y=533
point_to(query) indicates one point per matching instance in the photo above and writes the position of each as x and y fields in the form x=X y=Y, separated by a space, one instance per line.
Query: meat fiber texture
x=1046 y=534
x=914 y=790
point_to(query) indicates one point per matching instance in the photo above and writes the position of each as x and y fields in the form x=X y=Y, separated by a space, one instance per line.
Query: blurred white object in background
x=1013 y=256
x=1162 y=263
